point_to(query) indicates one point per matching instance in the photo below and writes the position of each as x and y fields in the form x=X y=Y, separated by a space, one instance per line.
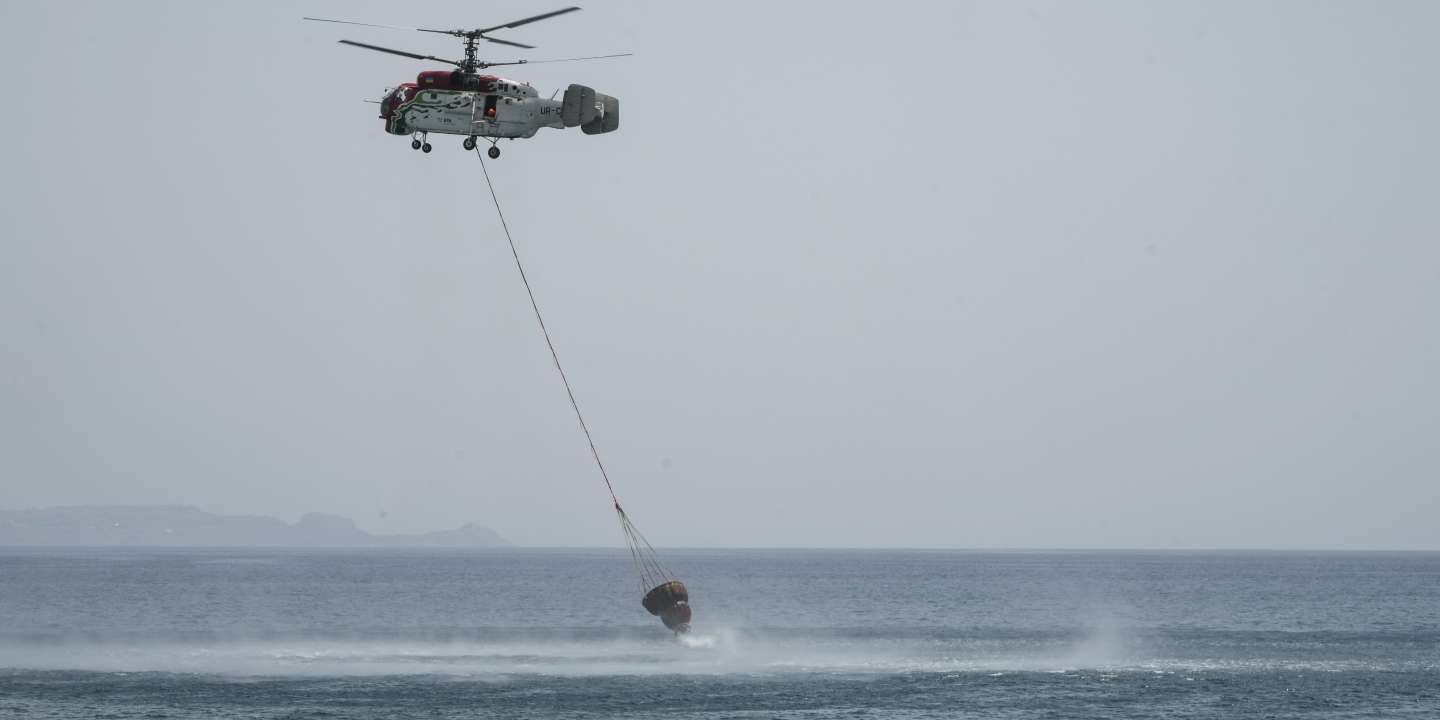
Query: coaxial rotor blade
x=475 y=34
x=526 y=21
x=591 y=57
x=401 y=53
x=352 y=22
x=457 y=33
x=507 y=42
x=555 y=60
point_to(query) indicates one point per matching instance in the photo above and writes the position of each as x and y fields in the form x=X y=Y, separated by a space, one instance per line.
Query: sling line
x=647 y=562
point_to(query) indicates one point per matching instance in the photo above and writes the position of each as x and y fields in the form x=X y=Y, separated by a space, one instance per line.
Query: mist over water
x=814 y=627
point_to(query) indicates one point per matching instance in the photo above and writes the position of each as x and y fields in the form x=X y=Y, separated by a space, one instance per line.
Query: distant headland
x=185 y=525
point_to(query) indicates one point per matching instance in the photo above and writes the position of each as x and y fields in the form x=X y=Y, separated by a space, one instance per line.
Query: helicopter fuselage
x=493 y=107
x=488 y=106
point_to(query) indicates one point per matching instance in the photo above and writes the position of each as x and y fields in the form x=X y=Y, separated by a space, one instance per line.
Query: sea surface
x=211 y=633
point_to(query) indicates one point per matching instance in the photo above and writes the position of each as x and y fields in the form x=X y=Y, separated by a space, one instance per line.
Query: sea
x=554 y=633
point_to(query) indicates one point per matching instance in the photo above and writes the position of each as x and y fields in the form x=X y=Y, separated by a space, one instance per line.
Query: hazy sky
x=998 y=274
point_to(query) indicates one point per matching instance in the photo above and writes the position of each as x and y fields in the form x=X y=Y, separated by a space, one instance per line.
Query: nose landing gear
x=422 y=142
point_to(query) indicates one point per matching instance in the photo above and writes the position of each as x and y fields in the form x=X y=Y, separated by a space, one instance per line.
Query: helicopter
x=490 y=107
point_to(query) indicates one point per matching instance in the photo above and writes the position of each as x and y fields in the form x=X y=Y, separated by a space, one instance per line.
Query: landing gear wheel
x=493 y=152
x=426 y=147
x=470 y=143
x=414 y=144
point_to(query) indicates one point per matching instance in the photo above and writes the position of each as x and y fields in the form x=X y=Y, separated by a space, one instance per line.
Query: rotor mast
x=471 y=64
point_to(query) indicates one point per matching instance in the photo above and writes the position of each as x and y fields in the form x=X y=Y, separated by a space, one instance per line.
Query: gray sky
x=922 y=274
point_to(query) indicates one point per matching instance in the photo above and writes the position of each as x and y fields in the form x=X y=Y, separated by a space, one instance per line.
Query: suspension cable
x=647 y=562
x=548 y=342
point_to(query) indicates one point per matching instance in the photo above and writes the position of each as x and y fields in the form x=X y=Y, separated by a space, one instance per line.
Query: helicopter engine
x=456 y=80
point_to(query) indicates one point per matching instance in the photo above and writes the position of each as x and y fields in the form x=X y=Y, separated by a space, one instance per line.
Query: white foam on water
x=695 y=640
x=723 y=651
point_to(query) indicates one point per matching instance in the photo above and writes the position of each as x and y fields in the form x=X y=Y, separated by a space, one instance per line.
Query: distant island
x=184 y=525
